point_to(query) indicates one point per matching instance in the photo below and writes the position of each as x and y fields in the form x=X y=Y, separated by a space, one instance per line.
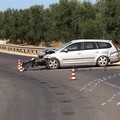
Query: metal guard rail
x=21 y=49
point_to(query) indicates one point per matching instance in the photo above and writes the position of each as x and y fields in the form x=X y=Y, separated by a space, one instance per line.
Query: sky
x=22 y=4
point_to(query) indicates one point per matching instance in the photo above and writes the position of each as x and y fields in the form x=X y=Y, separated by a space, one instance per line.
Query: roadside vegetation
x=62 y=22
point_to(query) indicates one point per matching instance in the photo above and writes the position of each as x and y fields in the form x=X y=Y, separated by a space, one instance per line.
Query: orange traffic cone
x=19 y=63
x=73 y=76
x=21 y=69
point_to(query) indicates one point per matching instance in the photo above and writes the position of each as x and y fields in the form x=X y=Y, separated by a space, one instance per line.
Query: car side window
x=103 y=45
x=89 y=45
x=74 y=47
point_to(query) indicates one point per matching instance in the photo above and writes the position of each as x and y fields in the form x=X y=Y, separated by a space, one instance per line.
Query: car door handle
x=79 y=53
x=96 y=52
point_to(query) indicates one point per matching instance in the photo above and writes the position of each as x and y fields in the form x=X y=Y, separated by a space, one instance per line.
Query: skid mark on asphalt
x=96 y=82
x=110 y=100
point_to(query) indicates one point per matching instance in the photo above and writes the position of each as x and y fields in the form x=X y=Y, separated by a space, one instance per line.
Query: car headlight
x=47 y=56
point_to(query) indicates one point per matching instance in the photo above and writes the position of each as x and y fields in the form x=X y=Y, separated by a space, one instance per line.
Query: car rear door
x=89 y=53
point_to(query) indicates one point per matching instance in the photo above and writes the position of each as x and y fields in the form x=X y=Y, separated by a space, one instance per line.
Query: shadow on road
x=82 y=67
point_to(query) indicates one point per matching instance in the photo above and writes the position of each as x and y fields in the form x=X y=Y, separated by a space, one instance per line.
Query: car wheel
x=102 y=61
x=52 y=63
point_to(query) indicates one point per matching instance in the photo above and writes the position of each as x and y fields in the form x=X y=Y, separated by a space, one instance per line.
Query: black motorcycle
x=39 y=61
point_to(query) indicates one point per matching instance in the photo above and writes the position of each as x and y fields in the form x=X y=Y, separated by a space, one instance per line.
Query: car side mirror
x=65 y=50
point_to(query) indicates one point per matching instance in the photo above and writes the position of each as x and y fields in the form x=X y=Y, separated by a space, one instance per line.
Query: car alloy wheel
x=52 y=63
x=102 y=61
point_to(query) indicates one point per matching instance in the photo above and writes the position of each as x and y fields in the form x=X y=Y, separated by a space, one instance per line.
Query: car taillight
x=115 y=45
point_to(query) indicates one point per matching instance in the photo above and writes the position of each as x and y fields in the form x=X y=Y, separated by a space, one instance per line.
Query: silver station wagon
x=83 y=52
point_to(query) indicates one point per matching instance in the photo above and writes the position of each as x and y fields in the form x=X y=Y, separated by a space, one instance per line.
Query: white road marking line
x=103 y=104
x=112 y=85
x=118 y=93
x=103 y=80
x=113 y=97
x=83 y=88
x=80 y=89
x=90 y=89
x=87 y=85
x=109 y=100
x=100 y=81
x=91 y=82
x=118 y=103
x=96 y=85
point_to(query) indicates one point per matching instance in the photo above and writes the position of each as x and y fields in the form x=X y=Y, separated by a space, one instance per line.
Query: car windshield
x=62 y=46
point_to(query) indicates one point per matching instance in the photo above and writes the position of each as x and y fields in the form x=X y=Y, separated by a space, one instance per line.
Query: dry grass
x=53 y=44
x=56 y=44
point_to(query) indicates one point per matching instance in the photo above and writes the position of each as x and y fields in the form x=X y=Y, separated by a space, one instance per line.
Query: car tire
x=102 y=61
x=52 y=63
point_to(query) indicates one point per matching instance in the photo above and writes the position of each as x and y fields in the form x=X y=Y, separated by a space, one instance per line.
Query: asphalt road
x=40 y=94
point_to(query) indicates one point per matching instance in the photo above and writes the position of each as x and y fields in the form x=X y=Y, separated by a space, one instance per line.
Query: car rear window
x=115 y=46
x=89 y=45
x=102 y=45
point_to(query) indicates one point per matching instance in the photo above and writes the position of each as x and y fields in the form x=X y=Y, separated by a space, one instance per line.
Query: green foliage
x=112 y=19
x=1 y=24
x=63 y=21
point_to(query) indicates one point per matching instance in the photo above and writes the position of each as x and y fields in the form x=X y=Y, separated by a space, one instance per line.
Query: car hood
x=46 y=51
